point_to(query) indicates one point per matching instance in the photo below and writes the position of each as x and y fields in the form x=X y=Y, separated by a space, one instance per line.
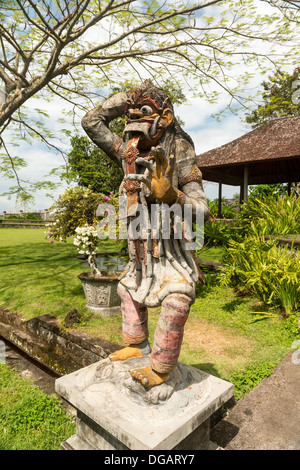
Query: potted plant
x=75 y=213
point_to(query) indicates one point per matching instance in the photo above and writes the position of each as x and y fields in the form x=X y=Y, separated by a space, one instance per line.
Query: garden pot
x=101 y=293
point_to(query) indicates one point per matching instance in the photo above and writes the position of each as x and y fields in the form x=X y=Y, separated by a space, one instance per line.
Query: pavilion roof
x=271 y=152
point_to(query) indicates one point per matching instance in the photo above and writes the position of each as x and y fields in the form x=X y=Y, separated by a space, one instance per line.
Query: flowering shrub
x=86 y=241
x=76 y=216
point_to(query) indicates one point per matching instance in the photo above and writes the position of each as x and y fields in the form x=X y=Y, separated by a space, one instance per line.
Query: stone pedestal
x=114 y=412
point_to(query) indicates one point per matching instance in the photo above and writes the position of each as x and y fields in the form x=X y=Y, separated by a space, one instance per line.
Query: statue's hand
x=159 y=179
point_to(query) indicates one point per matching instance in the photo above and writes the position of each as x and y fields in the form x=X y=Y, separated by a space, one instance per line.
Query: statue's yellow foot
x=126 y=353
x=148 y=377
x=133 y=350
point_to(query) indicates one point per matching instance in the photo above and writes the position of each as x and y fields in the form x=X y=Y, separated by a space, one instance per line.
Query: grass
x=214 y=253
x=225 y=335
x=37 y=277
x=29 y=419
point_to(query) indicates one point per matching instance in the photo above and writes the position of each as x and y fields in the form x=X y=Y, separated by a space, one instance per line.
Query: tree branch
x=12 y=163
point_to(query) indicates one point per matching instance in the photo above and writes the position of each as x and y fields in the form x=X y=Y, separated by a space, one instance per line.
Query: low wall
x=57 y=348
x=15 y=223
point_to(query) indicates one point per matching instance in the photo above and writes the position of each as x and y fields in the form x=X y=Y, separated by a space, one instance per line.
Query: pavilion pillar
x=220 y=200
x=245 y=183
x=241 y=193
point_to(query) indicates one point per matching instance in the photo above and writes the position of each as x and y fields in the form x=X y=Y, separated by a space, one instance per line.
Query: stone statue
x=158 y=159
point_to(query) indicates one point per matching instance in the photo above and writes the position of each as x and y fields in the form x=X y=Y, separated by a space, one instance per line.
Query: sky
x=206 y=132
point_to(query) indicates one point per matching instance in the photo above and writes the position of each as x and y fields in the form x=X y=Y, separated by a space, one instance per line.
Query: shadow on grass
x=76 y=290
x=207 y=367
x=37 y=253
x=261 y=313
x=233 y=305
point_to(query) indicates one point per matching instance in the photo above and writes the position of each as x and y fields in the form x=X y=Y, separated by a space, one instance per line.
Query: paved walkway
x=268 y=418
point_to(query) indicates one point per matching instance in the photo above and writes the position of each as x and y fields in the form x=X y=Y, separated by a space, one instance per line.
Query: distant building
x=44 y=214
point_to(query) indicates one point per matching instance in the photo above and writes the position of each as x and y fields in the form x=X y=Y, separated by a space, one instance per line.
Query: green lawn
x=37 y=277
x=29 y=419
x=225 y=335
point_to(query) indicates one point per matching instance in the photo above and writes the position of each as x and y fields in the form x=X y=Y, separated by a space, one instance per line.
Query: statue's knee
x=123 y=292
x=176 y=309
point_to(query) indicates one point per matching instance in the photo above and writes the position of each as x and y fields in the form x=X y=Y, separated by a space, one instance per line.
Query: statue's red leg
x=135 y=328
x=167 y=341
x=169 y=332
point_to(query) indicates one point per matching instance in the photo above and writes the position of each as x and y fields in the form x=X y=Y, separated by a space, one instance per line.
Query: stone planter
x=101 y=293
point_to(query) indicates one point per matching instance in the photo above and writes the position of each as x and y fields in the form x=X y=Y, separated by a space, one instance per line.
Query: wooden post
x=246 y=178
x=220 y=200
x=241 y=193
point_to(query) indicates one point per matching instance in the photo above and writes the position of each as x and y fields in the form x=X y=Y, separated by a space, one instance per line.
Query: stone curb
x=59 y=349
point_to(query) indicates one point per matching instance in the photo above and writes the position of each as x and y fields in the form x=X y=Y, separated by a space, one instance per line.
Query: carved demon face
x=146 y=119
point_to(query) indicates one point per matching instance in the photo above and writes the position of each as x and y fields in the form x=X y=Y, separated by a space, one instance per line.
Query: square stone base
x=114 y=412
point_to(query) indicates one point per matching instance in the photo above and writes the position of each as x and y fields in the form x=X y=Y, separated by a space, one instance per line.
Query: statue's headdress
x=148 y=92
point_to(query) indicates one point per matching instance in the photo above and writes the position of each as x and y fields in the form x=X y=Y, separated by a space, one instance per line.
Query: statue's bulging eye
x=147 y=110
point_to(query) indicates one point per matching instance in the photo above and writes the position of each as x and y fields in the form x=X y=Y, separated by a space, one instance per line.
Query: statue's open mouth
x=146 y=128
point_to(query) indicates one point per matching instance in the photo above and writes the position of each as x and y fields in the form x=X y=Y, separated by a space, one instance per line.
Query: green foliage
x=91 y=168
x=30 y=412
x=276 y=215
x=250 y=377
x=29 y=419
x=228 y=209
x=45 y=282
x=217 y=232
x=32 y=216
x=267 y=190
x=278 y=99
x=270 y=271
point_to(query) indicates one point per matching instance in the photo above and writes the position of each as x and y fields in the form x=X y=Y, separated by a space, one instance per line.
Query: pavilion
x=268 y=154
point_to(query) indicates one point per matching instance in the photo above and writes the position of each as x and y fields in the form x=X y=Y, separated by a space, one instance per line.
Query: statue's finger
x=159 y=156
x=141 y=178
x=146 y=163
x=170 y=168
x=161 y=151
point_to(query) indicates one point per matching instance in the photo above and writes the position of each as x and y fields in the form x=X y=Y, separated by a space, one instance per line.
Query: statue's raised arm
x=96 y=125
